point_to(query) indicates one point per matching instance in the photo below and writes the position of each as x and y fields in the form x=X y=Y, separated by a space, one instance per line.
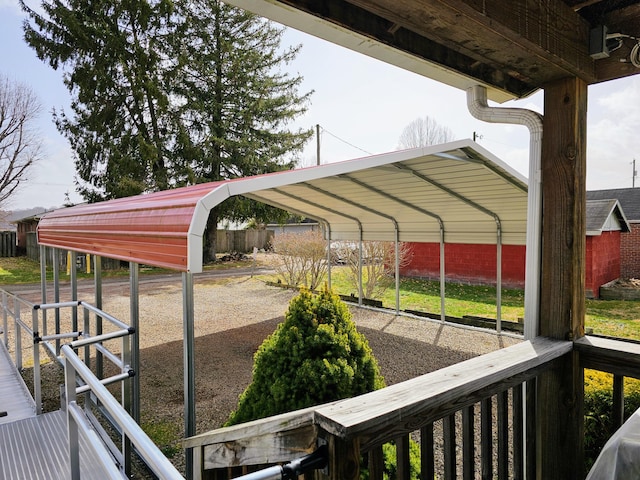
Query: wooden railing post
x=344 y=458
x=560 y=422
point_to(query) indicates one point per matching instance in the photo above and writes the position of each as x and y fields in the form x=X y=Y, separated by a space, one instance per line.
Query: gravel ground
x=232 y=318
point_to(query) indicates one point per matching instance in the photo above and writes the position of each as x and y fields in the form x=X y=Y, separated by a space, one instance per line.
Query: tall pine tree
x=234 y=103
x=169 y=94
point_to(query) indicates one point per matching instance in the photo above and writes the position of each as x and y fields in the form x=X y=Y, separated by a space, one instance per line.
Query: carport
x=456 y=192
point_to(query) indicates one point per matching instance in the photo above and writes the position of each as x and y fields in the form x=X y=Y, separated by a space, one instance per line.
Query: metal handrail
x=149 y=452
x=13 y=306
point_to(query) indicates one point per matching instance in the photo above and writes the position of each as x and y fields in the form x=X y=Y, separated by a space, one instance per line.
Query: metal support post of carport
x=189 y=366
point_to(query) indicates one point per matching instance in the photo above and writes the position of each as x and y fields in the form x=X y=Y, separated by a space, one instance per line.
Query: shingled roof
x=599 y=213
x=629 y=199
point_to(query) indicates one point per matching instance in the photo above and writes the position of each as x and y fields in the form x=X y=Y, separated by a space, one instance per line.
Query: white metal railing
x=16 y=308
x=79 y=379
x=112 y=462
x=79 y=423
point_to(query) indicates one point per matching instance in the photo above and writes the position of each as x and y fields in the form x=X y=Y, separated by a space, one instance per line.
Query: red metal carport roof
x=458 y=191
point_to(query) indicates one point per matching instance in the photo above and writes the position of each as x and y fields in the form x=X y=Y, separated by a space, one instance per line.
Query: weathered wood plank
x=517 y=409
x=407 y=406
x=265 y=449
x=610 y=355
x=625 y=20
x=344 y=459
x=617 y=416
x=276 y=424
x=275 y=439
x=427 y=466
x=564 y=210
x=376 y=463
x=486 y=438
x=562 y=289
x=468 y=443
x=449 y=442
x=516 y=37
x=530 y=429
x=503 y=434
x=402 y=457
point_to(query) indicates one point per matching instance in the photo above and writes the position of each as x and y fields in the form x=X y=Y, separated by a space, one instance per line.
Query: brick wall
x=602 y=261
x=468 y=263
x=476 y=264
x=630 y=253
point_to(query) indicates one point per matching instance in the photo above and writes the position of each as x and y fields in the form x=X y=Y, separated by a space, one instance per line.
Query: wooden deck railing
x=619 y=357
x=457 y=415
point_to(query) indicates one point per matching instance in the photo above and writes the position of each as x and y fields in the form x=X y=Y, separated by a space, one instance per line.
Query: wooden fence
x=8 y=246
x=242 y=241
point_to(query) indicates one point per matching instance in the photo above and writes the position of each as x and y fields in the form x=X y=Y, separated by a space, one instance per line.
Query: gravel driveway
x=233 y=316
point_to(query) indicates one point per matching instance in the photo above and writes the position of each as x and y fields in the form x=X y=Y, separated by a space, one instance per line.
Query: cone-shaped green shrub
x=315 y=356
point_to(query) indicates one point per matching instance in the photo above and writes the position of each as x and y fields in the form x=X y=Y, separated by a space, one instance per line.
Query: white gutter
x=478 y=107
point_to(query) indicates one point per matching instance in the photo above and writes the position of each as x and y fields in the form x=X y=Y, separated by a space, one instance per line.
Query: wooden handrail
x=610 y=355
x=388 y=413
x=276 y=439
x=379 y=416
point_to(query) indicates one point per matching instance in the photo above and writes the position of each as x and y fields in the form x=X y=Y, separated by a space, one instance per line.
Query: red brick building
x=477 y=264
x=629 y=199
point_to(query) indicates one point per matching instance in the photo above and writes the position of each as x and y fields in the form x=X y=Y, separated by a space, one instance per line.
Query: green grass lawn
x=20 y=270
x=605 y=317
x=616 y=318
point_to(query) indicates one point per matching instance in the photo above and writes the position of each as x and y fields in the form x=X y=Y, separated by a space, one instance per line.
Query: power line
x=344 y=141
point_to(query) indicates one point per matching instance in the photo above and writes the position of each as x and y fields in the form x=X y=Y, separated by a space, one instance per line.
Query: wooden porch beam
x=562 y=292
x=526 y=40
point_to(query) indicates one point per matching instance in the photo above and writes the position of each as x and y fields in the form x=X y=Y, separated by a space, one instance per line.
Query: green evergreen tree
x=315 y=356
x=167 y=94
x=235 y=103
x=112 y=65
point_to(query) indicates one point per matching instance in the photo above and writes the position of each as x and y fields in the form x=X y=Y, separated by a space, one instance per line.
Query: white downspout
x=478 y=107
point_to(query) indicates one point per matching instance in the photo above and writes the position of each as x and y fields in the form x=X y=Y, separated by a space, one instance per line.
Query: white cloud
x=612 y=137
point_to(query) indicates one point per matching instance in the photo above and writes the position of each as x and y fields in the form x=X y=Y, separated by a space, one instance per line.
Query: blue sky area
x=362 y=106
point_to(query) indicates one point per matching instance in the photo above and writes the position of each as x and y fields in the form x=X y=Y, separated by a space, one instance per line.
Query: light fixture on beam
x=598 y=42
x=602 y=44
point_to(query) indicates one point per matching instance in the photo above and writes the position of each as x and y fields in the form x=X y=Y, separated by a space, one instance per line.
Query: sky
x=361 y=104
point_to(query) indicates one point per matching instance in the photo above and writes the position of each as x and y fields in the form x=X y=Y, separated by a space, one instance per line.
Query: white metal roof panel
x=458 y=187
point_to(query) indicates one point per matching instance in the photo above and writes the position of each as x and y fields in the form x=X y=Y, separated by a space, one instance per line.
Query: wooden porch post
x=560 y=420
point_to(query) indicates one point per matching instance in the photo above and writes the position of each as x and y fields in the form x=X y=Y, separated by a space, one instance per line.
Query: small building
x=605 y=223
x=294 y=225
x=477 y=264
x=629 y=199
x=24 y=227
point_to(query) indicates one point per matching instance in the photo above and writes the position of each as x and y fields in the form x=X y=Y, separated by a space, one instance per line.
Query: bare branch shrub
x=303 y=258
x=378 y=264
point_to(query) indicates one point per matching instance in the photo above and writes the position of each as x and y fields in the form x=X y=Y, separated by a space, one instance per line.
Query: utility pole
x=634 y=175
x=317 y=143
